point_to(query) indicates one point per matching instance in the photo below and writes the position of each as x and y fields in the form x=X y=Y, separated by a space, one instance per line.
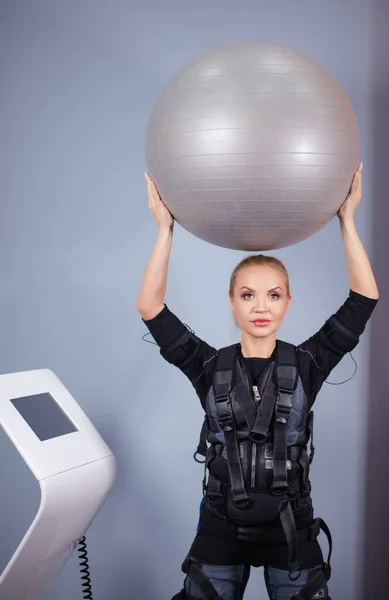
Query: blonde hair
x=259 y=260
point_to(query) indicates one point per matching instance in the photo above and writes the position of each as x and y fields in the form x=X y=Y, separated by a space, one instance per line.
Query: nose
x=260 y=306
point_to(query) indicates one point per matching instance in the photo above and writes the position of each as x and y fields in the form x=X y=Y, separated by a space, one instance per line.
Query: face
x=260 y=300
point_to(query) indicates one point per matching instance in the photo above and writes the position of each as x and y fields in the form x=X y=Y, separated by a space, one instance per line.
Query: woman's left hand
x=347 y=210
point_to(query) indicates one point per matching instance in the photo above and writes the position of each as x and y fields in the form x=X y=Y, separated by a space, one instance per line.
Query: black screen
x=45 y=417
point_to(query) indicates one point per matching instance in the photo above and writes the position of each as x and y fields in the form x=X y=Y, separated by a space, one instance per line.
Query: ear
x=231 y=299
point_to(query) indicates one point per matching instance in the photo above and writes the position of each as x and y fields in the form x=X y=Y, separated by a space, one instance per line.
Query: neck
x=257 y=347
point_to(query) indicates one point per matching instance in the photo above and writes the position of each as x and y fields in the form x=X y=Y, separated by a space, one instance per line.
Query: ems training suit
x=239 y=526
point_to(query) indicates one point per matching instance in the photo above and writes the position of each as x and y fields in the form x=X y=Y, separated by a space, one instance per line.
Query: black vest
x=262 y=434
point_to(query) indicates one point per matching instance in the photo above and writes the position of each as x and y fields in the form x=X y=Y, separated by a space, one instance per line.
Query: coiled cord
x=84 y=568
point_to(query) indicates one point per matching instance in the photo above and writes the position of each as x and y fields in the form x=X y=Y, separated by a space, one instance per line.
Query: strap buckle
x=279 y=489
x=314 y=530
x=294 y=575
x=258 y=437
x=201 y=462
x=224 y=412
x=284 y=405
x=242 y=502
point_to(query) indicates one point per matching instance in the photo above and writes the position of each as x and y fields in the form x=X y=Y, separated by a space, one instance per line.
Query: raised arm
x=360 y=274
x=193 y=356
x=341 y=332
x=153 y=289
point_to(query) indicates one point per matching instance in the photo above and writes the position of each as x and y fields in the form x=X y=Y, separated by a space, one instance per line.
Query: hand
x=347 y=210
x=158 y=208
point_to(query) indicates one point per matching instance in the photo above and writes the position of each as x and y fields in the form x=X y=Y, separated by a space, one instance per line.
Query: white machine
x=73 y=466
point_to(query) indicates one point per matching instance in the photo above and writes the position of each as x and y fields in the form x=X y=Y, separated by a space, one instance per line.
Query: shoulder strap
x=223 y=380
x=286 y=375
x=225 y=362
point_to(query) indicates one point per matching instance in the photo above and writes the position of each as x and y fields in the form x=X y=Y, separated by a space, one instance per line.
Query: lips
x=261 y=322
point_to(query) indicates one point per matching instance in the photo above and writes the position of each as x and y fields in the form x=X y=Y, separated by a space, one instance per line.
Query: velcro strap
x=314 y=585
x=194 y=571
x=280 y=466
x=239 y=494
x=289 y=527
x=310 y=429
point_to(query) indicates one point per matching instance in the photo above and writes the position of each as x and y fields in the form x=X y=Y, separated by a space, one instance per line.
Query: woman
x=258 y=396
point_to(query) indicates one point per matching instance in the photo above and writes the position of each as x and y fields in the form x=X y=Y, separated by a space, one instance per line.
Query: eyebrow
x=251 y=290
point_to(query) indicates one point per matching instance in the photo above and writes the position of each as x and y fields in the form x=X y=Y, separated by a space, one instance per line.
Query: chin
x=263 y=335
x=259 y=333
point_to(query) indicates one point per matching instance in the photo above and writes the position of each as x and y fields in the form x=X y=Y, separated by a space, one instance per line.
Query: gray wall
x=78 y=81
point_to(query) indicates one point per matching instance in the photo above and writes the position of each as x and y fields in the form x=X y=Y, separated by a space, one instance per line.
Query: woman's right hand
x=160 y=211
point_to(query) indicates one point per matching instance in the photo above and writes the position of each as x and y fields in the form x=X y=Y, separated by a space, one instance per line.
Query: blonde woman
x=257 y=396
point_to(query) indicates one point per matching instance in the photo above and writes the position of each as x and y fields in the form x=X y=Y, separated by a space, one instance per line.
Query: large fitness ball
x=253 y=146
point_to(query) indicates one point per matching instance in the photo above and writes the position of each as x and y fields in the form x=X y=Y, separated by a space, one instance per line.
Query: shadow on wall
x=376 y=535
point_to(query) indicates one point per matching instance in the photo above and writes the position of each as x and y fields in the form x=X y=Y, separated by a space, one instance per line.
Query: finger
x=149 y=178
x=360 y=178
x=354 y=184
x=155 y=194
x=154 y=198
x=151 y=189
x=150 y=183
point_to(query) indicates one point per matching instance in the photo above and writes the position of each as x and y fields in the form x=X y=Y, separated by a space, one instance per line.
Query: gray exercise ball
x=253 y=146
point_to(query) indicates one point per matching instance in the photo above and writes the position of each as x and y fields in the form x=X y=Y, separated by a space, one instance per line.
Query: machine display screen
x=45 y=417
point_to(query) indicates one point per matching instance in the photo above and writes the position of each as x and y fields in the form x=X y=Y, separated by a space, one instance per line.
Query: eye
x=275 y=295
x=247 y=294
